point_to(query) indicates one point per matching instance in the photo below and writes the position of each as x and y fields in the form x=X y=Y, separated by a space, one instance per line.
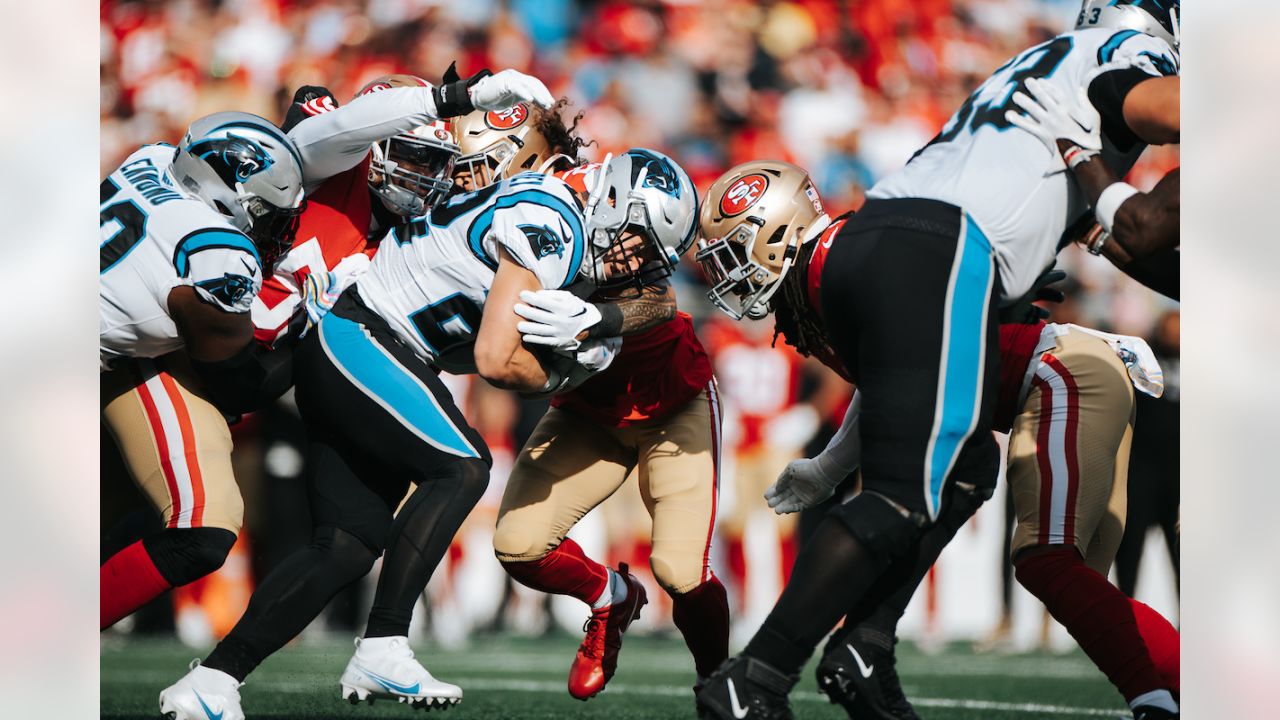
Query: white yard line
x=537 y=686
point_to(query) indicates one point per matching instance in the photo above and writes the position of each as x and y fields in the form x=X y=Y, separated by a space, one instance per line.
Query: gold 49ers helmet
x=752 y=225
x=412 y=171
x=500 y=143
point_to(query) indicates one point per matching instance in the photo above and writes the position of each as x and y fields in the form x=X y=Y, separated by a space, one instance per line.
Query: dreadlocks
x=562 y=138
x=794 y=320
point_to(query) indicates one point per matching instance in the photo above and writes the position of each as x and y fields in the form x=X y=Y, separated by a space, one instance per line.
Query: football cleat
x=861 y=677
x=597 y=657
x=385 y=668
x=745 y=688
x=202 y=694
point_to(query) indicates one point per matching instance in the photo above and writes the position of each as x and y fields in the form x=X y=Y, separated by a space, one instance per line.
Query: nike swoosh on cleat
x=406 y=689
x=211 y=714
x=863 y=668
x=738 y=711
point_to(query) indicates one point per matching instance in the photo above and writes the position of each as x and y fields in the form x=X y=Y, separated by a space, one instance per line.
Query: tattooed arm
x=655 y=305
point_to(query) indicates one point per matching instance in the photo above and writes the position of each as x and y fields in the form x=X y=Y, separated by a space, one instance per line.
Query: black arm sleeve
x=1107 y=93
x=1160 y=272
x=252 y=378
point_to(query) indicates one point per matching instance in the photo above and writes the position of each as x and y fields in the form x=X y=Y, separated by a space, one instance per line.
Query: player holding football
x=654 y=410
x=186 y=235
x=914 y=280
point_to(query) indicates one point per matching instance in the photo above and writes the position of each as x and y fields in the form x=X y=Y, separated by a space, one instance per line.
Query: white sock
x=611 y=593
x=1156 y=698
x=381 y=644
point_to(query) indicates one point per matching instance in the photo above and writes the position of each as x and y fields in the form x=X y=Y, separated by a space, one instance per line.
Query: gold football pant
x=571 y=464
x=1069 y=451
x=175 y=443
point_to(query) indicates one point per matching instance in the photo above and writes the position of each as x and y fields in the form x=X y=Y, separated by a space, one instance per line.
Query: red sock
x=1163 y=642
x=702 y=615
x=563 y=571
x=1096 y=614
x=126 y=582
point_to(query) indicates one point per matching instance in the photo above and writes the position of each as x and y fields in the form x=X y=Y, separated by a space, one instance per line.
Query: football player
x=1067 y=465
x=379 y=419
x=187 y=233
x=390 y=140
x=654 y=410
x=915 y=280
x=293 y=593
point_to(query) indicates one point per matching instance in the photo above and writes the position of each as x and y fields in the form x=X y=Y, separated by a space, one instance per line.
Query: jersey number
x=1039 y=62
x=131 y=225
x=456 y=310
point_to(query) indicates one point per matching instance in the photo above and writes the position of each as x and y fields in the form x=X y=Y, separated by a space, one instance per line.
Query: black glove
x=1024 y=310
x=451 y=96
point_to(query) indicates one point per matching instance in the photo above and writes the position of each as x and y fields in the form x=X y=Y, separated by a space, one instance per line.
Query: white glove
x=596 y=355
x=1050 y=117
x=504 y=89
x=554 y=318
x=803 y=484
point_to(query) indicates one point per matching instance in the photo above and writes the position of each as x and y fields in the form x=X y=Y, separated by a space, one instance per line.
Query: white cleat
x=385 y=668
x=202 y=694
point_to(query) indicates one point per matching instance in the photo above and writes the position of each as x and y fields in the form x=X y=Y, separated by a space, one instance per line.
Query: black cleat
x=1146 y=712
x=744 y=688
x=860 y=675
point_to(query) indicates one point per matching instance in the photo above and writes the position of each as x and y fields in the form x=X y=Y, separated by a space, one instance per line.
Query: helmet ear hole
x=777 y=236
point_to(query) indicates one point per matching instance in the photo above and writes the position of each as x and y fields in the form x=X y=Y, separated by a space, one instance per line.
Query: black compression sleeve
x=249 y=380
x=1160 y=272
x=1107 y=93
x=610 y=324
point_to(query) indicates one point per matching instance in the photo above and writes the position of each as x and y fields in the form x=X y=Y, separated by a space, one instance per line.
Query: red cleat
x=597 y=657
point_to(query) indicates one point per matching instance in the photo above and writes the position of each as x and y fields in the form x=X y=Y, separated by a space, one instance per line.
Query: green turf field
x=523 y=678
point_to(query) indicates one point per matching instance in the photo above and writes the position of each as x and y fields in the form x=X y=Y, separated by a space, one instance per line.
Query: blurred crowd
x=849 y=89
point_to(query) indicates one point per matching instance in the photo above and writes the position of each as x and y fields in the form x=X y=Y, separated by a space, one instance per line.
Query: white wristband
x=1110 y=201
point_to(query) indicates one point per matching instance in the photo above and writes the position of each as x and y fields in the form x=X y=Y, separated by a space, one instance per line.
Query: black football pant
x=908 y=298
x=379 y=421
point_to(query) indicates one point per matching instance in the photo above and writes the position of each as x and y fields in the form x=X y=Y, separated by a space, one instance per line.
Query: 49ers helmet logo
x=743 y=193
x=507 y=119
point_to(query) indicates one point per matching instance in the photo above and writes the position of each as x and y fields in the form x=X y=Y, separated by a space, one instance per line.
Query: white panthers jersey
x=156 y=237
x=431 y=285
x=1019 y=193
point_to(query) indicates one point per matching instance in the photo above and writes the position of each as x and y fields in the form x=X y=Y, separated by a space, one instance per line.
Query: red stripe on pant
x=162 y=447
x=187 y=430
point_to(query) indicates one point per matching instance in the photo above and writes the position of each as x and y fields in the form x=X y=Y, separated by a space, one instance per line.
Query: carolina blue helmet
x=245 y=168
x=650 y=194
x=1153 y=17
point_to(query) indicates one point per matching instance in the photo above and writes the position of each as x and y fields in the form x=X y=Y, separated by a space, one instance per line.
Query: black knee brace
x=184 y=555
x=880 y=526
